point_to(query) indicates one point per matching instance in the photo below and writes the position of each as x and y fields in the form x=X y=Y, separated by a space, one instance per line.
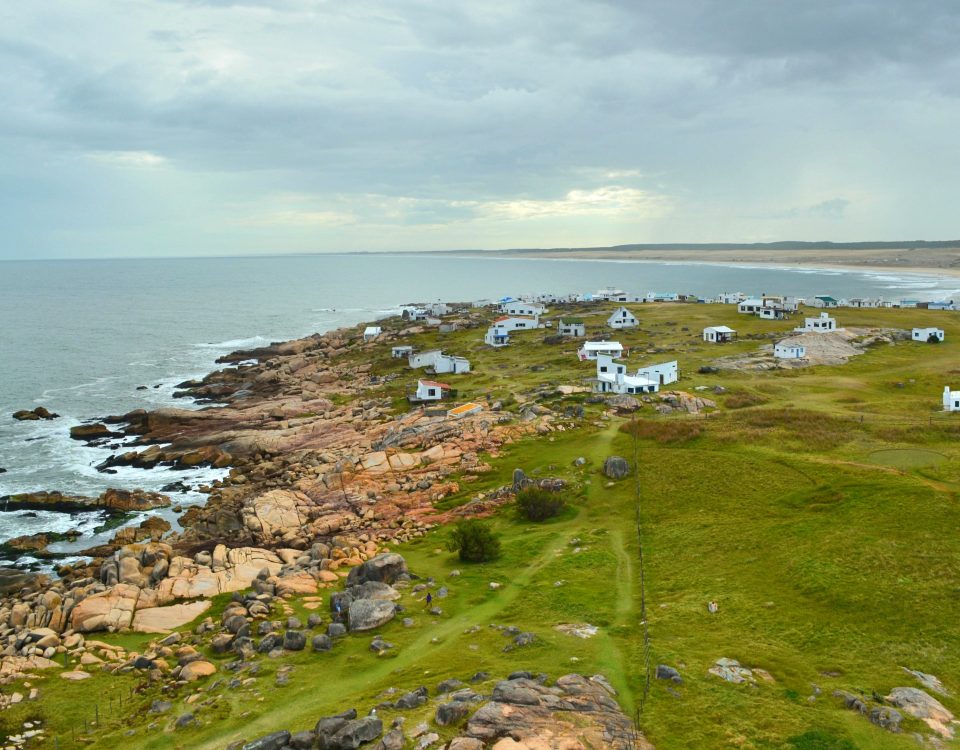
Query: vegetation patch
x=665 y=430
x=474 y=541
x=536 y=504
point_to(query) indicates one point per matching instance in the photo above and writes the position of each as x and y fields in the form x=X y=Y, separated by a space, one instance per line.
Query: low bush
x=535 y=504
x=474 y=540
x=665 y=430
x=741 y=400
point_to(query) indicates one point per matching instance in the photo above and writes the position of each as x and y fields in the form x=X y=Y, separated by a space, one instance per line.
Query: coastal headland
x=758 y=554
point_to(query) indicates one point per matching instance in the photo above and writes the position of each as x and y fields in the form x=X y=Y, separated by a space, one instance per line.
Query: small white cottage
x=496 y=337
x=951 y=399
x=531 y=309
x=750 y=306
x=430 y=390
x=612 y=377
x=371 y=332
x=622 y=318
x=927 y=335
x=718 y=334
x=401 y=352
x=662 y=374
x=821 y=324
x=416 y=360
x=571 y=327
x=447 y=363
x=592 y=349
x=789 y=351
x=514 y=323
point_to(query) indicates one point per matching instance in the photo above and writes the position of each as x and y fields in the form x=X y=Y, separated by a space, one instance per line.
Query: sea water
x=83 y=338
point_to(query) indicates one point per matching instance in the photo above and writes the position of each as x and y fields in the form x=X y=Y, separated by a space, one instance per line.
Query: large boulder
x=275 y=741
x=385 y=568
x=616 y=467
x=367 y=614
x=353 y=734
x=96 y=431
x=925 y=707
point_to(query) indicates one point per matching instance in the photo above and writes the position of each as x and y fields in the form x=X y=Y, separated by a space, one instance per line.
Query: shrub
x=664 y=430
x=535 y=504
x=933 y=339
x=741 y=400
x=474 y=540
x=817 y=739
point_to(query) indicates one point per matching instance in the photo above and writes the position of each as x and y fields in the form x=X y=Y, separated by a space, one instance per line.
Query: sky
x=221 y=127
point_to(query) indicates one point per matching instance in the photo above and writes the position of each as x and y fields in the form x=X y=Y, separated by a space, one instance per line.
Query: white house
x=789 y=351
x=730 y=298
x=400 y=352
x=437 y=309
x=772 y=313
x=612 y=377
x=496 y=337
x=509 y=323
x=622 y=318
x=822 y=324
x=593 y=349
x=571 y=327
x=416 y=360
x=371 y=332
x=430 y=390
x=413 y=313
x=951 y=399
x=662 y=374
x=927 y=334
x=750 y=306
x=531 y=309
x=718 y=334
x=447 y=363
x=823 y=301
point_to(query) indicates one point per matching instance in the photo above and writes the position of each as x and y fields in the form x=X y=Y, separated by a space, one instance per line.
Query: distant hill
x=774 y=246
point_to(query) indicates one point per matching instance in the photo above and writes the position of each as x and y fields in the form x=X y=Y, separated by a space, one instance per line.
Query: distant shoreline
x=944 y=262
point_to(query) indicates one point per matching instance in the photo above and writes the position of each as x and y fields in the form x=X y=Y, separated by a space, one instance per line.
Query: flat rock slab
x=166 y=619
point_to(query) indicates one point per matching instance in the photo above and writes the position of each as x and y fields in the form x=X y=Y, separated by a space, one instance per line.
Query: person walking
x=429 y=600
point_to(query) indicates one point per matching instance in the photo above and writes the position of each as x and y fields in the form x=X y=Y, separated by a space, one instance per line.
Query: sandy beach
x=927 y=261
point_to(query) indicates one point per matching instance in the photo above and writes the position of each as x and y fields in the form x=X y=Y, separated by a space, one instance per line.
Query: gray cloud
x=474 y=124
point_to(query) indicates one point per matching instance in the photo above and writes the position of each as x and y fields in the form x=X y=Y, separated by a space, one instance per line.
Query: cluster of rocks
x=887 y=711
x=522 y=711
x=32 y=415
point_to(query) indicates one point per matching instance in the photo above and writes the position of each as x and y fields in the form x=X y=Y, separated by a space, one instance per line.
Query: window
x=432 y=392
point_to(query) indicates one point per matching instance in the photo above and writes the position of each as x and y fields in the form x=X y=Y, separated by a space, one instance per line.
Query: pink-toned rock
x=75 y=676
x=296 y=583
x=110 y=609
x=165 y=619
x=197 y=669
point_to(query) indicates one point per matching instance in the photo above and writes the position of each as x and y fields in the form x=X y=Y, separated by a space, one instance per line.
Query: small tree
x=474 y=540
x=933 y=339
x=536 y=504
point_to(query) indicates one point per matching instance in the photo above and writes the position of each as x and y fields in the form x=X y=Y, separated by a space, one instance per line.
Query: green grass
x=817 y=507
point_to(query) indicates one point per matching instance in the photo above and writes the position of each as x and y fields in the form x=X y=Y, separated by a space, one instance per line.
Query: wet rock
x=668 y=673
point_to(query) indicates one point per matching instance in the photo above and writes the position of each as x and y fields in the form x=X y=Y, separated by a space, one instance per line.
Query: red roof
x=435 y=384
x=502 y=317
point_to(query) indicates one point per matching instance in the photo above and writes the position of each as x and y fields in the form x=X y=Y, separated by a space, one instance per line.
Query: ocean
x=83 y=337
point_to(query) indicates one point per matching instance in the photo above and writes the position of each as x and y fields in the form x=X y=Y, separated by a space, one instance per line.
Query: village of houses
x=818 y=320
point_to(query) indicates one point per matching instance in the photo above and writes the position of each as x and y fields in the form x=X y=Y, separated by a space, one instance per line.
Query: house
x=823 y=301
x=865 y=302
x=661 y=297
x=413 y=313
x=772 y=313
x=371 y=332
x=430 y=390
x=612 y=377
x=448 y=327
x=718 y=334
x=571 y=327
x=951 y=399
x=789 y=351
x=750 y=306
x=447 y=363
x=438 y=309
x=941 y=305
x=730 y=298
x=622 y=318
x=508 y=323
x=930 y=335
x=662 y=374
x=529 y=309
x=822 y=324
x=496 y=337
x=416 y=360
x=400 y=352
x=593 y=349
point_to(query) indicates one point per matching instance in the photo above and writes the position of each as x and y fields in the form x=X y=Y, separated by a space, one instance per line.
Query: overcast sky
x=192 y=127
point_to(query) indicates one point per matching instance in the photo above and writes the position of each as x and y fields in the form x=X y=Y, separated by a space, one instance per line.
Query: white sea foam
x=248 y=343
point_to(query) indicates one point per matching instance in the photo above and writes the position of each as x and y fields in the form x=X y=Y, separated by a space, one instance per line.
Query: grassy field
x=818 y=509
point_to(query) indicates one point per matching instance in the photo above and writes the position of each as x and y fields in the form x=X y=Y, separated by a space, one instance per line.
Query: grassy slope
x=833 y=561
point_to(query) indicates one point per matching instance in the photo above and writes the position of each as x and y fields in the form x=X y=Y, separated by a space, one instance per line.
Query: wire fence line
x=644 y=628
